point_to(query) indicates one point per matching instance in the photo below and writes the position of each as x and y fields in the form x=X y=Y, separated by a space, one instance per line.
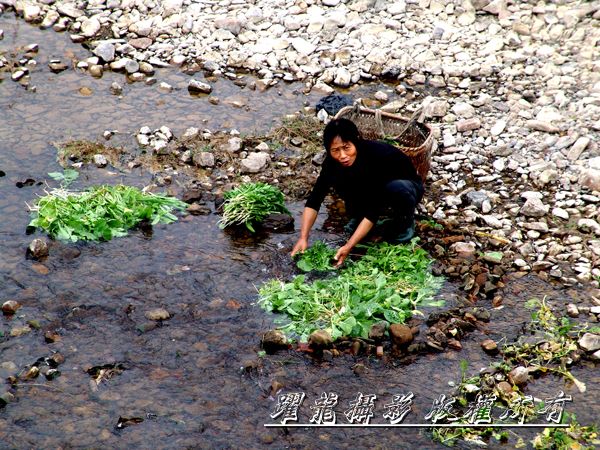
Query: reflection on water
x=195 y=380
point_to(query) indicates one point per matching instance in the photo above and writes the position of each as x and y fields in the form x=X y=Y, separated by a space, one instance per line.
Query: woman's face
x=342 y=151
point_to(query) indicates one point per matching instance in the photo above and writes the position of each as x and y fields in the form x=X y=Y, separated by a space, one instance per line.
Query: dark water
x=185 y=378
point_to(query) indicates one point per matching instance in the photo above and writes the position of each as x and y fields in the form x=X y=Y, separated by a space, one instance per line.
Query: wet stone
x=274 y=340
x=400 y=334
x=377 y=331
x=198 y=210
x=519 y=375
x=572 y=310
x=278 y=222
x=10 y=307
x=320 y=339
x=157 y=314
x=5 y=398
x=590 y=342
x=489 y=346
x=57 y=66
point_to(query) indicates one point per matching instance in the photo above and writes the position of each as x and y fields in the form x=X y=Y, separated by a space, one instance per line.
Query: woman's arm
x=362 y=230
x=309 y=216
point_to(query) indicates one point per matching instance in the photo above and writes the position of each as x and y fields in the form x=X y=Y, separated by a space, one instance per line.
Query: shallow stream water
x=185 y=379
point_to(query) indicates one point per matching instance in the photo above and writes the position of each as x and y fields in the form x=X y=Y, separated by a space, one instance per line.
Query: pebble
x=274 y=340
x=490 y=346
x=10 y=307
x=157 y=314
x=38 y=248
x=400 y=334
x=320 y=339
x=195 y=86
x=589 y=342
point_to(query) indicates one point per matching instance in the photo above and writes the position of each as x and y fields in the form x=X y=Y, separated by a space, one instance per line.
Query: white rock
x=204 y=159
x=463 y=110
x=255 y=162
x=165 y=87
x=342 y=77
x=498 y=128
x=590 y=342
x=590 y=178
x=578 y=147
x=331 y=2
x=549 y=114
x=499 y=164
x=464 y=248
x=106 y=51
x=100 y=160
x=534 y=208
x=143 y=139
x=436 y=108
x=69 y=10
x=196 y=86
x=396 y=7
x=31 y=12
x=171 y=7
x=191 y=132
x=589 y=224
x=560 y=213
x=302 y=46
x=233 y=145
x=90 y=26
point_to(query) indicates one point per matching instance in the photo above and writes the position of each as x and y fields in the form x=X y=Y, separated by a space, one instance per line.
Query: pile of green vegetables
x=251 y=203
x=387 y=283
x=100 y=212
x=318 y=257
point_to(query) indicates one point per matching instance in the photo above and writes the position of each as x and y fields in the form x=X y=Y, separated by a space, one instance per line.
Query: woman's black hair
x=345 y=129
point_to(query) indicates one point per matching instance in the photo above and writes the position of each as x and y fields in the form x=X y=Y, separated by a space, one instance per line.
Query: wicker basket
x=414 y=138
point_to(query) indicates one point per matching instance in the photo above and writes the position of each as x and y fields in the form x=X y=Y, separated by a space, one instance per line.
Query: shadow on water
x=196 y=379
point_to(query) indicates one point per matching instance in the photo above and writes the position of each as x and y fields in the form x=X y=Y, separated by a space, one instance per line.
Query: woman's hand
x=300 y=246
x=341 y=255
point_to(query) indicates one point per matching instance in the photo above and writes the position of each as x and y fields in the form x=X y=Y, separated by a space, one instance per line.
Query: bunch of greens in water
x=251 y=203
x=318 y=257
x=388 y=283
x=100 y=212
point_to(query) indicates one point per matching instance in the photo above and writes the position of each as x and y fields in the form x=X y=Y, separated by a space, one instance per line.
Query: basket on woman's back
x=413 y=138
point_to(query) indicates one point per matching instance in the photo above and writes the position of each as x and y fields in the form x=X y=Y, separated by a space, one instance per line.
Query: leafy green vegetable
x=385 y=284
x=317 y=257
x=251 y=203
x=65 y=178
x=100 y=212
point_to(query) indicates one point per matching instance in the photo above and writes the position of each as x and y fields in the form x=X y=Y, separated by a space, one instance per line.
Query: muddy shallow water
x=190 y=379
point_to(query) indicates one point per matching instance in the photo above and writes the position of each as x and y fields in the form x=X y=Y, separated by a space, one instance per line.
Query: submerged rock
x=10 y=307
x=38 y=248
x=157 y=314
x=274 y=340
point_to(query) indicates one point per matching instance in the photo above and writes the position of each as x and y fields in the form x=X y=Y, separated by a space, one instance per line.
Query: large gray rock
x=590 y=342
x=255 y=162
x=90 y=26
x=106 y=51
x=195 y=86
x=534 y=208
x=204 y=159
x=69 y=10
x=589 y=225
x=578 y=148
x=590 y=178
x=31 y=13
